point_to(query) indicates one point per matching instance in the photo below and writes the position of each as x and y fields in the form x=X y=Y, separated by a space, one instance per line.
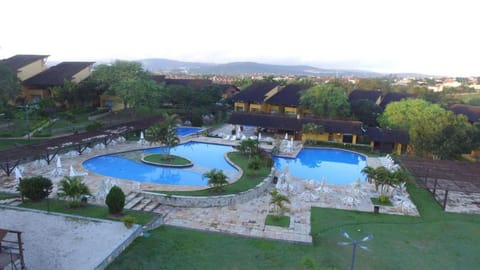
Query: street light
x=28 y=122
x=354 y=243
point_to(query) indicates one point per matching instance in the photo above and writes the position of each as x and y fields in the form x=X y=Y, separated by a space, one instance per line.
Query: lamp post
x=354 y=243
x=28 y=122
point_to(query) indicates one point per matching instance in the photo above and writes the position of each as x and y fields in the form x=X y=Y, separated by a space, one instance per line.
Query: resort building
x=388 y=140
x=39 y=86
x=26 y=65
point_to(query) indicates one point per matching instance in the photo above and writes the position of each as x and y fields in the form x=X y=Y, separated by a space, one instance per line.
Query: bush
x=115 y=200
x=129 y=221
x=6 y=134
x=35 y=188
x=383 y=199
x=197 y=120
x=95 y=125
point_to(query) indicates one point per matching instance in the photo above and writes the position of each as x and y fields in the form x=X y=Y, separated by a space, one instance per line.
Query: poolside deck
x=246 y=219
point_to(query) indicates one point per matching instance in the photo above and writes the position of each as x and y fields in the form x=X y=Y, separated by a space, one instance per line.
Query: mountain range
x=243 y=68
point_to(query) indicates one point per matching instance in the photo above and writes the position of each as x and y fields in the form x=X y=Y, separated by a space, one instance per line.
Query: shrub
x=129 y=221
x=115 y=200
x=95 y=125
x=73 y=188
x=383 y=199
x=197 y=120
x=35 y=188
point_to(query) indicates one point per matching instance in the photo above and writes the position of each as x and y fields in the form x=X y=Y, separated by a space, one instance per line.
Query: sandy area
x=58 y=242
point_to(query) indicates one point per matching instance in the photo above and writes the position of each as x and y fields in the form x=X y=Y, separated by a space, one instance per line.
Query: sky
x=417 y=36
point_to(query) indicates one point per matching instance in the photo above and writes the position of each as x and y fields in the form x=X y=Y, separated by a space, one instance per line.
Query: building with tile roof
x=26 y=65
x=37 y=87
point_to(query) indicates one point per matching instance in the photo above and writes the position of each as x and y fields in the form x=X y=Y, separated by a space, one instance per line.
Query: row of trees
x=431 y=128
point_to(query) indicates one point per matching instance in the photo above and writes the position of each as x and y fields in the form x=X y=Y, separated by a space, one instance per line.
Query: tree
x=374 y=84
x=130 y=82
x=216 y=179
x=115 y=200
x=9 y=86
x=278 y=201
x=326 y=100
x=366 y=111
x=73 y=188
x=456 y=137
x=248 y=147
x=66 y=94
x=165 y=132
x=432 y=130
x=312 y=128
x=405 y=113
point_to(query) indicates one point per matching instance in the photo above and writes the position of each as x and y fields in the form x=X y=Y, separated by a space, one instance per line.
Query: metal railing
x=14 y=247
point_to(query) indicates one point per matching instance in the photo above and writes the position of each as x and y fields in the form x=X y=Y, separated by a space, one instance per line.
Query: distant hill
x=241 y=68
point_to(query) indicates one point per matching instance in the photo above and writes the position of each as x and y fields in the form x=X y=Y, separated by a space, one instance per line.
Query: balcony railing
x=11 y=249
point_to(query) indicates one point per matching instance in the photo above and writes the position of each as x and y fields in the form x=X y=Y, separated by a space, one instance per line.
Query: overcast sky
x=433 y=37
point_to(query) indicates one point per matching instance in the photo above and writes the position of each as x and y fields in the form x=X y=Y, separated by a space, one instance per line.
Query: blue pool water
x=185 y=131
x=337 y=166
x=127 y=165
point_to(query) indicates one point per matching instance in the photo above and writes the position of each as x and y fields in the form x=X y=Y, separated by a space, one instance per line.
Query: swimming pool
x=337 y=166
x=127 y=165
x=185 y=131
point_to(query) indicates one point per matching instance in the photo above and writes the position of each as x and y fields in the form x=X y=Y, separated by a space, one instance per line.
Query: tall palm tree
x=217 y=179
x=278 y=201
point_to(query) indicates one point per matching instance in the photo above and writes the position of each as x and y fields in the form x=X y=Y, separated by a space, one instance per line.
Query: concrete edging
x=211 y=201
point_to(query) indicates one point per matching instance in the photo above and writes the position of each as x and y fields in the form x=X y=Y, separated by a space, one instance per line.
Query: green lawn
x=248 y=180
x=436 y=240
x=171 y=160
x=89 y=211
x=280 y=221
x=7 y=195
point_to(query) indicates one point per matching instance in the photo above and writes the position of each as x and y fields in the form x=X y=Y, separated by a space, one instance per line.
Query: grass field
x=436 y=240
x=248 y=180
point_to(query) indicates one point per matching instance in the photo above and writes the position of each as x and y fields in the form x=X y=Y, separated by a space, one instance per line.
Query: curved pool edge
x=158 y=185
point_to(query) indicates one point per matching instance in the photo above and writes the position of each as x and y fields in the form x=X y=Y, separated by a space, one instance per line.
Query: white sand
x=57 y=242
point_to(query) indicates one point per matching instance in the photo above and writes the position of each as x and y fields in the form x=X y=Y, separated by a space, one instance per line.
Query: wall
x=117 y=103
x=241 y=105
x=315 y=137
x=82 y=74
x=212 y=201
x=31 y=70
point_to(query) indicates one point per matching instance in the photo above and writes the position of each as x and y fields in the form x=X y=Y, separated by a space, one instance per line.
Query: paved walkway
x=243 y=219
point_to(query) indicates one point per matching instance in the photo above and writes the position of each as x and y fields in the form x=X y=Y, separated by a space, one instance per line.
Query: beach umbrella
x=72 y=171
x=59 y=162
x=18 y=175
x=142 y=136
x=286 y=136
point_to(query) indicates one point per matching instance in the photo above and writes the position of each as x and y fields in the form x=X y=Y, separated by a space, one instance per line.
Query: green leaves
x=217 y=179
x=432 y=129
x=326 y=100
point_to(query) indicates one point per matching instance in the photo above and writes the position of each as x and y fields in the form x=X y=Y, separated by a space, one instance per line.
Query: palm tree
x=165 y=132
x=217 y=179
x=73 y=188
x=278 y=201
x=370 y=173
